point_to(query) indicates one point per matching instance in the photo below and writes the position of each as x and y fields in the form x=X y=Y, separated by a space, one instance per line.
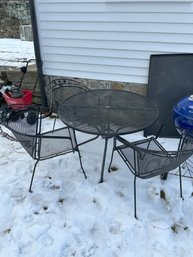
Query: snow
x=15 y=53
x=67 y=215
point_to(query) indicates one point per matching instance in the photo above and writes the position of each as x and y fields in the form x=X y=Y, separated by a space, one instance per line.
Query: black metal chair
x=61 y=89
x=26 y=123
x=147 y=158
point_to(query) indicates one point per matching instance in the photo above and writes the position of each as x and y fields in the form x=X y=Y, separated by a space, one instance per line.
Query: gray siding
x=111 y=40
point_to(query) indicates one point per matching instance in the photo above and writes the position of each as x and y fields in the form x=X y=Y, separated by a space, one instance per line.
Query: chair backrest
x=61 y=89
x=26 y=124
x=147 y=158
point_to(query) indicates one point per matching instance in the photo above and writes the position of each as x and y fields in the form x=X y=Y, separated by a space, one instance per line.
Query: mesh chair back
x=26 y=125
x=61 y=89
x=28 y=143
x=147 y=158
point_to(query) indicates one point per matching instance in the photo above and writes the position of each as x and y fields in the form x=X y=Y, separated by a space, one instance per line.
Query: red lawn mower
x=12 y=93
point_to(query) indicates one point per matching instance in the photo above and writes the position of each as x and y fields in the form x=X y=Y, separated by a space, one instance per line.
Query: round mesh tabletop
x=108 y=112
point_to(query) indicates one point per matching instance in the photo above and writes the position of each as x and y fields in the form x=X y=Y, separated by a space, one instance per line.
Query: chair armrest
x=129 y=144
x=137 y=145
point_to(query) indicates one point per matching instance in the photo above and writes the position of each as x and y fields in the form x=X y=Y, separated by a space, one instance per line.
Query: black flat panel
x=170 y=79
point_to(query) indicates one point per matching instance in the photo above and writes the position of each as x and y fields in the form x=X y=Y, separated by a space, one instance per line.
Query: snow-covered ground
x=15 y=53
x=68 y=216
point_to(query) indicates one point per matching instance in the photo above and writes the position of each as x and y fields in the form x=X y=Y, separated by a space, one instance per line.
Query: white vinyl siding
x=111 y=40
x=119 y=1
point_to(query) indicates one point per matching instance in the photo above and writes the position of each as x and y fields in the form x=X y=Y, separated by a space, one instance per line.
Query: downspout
x=37 y=51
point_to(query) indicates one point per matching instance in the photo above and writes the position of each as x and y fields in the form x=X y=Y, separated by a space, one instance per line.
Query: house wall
x=111 y=40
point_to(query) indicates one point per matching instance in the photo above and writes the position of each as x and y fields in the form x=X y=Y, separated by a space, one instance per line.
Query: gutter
x=37 y=52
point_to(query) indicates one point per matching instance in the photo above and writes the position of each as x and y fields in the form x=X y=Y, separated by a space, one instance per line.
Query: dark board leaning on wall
x=170 y=79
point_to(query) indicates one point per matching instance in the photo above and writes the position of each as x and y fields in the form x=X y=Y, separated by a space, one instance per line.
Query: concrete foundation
x=140 y=89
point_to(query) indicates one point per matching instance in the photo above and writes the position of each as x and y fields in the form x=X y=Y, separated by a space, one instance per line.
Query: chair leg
x=33 y=173
x=103 y=161
x=54 y=123
x=81 y=163
x=164 y=176
x=180 y=178
x=109 y=169
x=135 y=201
x=111 y=160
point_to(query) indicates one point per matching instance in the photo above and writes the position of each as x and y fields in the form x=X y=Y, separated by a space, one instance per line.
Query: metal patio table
x=108 y=113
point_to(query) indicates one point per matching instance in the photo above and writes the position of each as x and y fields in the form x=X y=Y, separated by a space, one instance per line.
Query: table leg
x=103 y=163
